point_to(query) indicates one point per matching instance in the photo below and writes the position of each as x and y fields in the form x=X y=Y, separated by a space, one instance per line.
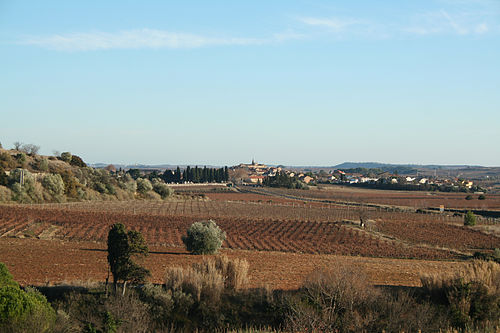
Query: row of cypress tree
x=196 y=175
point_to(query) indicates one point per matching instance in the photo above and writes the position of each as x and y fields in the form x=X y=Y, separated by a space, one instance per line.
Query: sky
x=284 y=82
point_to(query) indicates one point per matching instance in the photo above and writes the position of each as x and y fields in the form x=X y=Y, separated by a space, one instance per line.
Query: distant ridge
x=383 y=166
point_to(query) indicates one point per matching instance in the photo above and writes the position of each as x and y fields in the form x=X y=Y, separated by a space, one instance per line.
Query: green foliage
x=481 y=197
x=77 y=161
x=70 y=183
x=21 y=159
x=143 y=185
x=468 y=197
x=469 y=219
x=4 y=179
x=134 y=173
x=43 y=165
x=54 y=184
x=6 y=279
x=204 y=237
x=29 y=191
x=283 y=180
x=22 y=311
x=163 y=190
x=122 y=245
x=66 y=156
x=7 y=162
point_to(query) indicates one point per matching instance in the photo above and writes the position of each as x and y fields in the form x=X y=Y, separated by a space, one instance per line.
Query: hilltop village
x=255 y=174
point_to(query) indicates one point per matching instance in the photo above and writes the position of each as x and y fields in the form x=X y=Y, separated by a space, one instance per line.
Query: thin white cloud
x=140 y=39
x=481 y=28
x=335 y=24
x=443 y=22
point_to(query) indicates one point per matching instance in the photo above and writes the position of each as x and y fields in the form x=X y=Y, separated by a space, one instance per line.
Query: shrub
x=163 y=190
x=54 y=184
x=21 y=159
x=469 y=219
x=468 y=197
x=6 y=161
x=204 y=237
x=77 y=161
x=481 y=197
x=201 y=285
x=66 y=156
x=29 y=192
x=4 y=179
x=143 y=185
x=472 y=294
x=5 y=194
x=43 y=165
x=208 y=279
x=22 y=311
x=330 y=300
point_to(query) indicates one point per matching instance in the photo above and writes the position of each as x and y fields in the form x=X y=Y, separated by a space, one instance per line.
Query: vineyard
x=414 y=199
x=287 y=226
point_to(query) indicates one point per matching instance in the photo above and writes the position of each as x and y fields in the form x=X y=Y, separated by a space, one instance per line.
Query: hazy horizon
x=312 y=83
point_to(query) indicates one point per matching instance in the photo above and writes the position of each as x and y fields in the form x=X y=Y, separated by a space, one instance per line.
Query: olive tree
x=204 y=237
x=143 y=185
x=123 y=245
x=54 y=184
x=162 y=189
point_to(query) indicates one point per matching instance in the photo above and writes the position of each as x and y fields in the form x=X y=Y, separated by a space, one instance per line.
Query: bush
x=43 y=165
x=77 y=161
x=472 y=295
x=29 y=192
x=481 y=197
x=143 y=186
x=470 y=219
x=54 y=184
x=468 y=197
x=6 y=161
x=66 y=156
x=5 y=194
x=204 y=237
x=163 y=190
x=22 y=311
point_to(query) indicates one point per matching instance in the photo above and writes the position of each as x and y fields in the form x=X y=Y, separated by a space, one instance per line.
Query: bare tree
x=17 y=145
x=30 y=149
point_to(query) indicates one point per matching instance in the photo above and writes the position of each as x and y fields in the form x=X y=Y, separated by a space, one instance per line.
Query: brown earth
x=43 y=262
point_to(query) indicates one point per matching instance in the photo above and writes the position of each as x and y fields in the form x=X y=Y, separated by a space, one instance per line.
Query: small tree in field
x=204 y=237
x=122 y=245
x=469 y=219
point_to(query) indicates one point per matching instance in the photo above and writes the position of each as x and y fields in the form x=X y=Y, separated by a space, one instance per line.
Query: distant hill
x=385 y=166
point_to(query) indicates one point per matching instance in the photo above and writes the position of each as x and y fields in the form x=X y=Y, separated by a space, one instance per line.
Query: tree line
x=196 y=175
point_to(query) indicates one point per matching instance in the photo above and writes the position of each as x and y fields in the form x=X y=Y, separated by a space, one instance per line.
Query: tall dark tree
x=177 y=175
x=123 y=245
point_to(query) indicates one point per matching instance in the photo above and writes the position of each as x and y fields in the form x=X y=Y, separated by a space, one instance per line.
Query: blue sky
x=286 y=82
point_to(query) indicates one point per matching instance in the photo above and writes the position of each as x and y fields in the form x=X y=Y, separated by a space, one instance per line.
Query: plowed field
x=42 y=262
x=247 y=234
